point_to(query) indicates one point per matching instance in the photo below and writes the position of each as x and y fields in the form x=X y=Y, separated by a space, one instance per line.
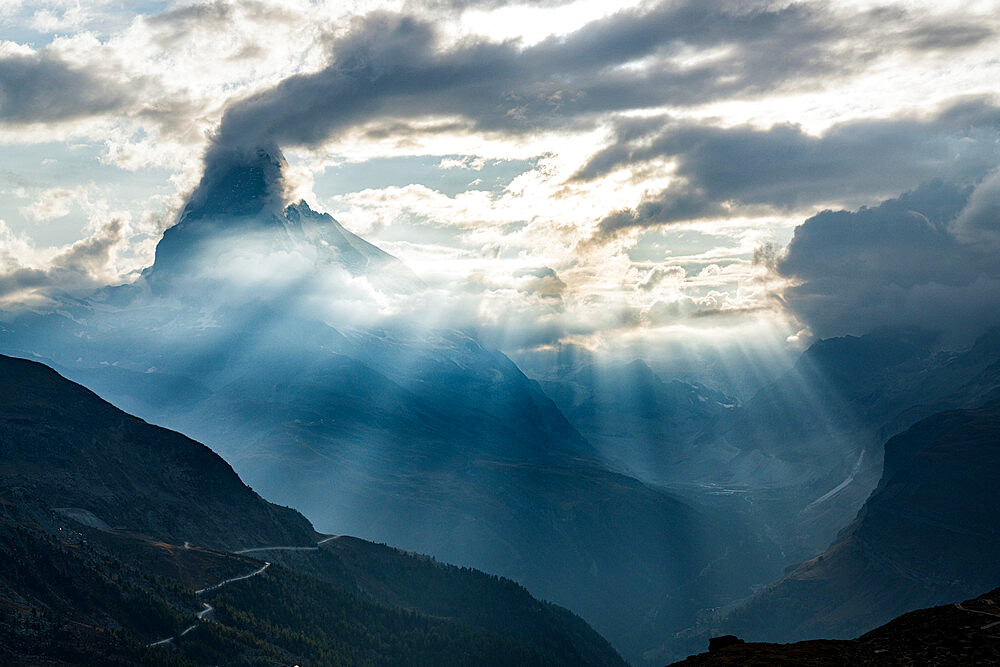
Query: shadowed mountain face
x=62 y=445
x=808 y=447
x=249 y=333
x=953 y=634
x=109 y=526
x=929 y=533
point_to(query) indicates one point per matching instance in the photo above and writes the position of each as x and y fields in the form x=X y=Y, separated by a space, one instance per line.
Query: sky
x=626 y=175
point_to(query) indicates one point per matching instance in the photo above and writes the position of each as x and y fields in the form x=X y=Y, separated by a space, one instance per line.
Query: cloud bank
x=41 y=88
x=916 y=260
x=396 y=67
x=660 y=144
x=724 y=170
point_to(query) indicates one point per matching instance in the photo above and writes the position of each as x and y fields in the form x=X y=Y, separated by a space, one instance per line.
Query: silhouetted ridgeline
x=953 y=634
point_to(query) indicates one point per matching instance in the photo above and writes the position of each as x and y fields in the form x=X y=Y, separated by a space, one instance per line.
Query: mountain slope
x=61 y=443
x=929 y=533
x=94 y=505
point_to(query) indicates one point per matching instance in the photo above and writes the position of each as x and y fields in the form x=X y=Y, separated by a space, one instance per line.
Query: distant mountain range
x=124 y=543
x=796 y=462
x=797 y=458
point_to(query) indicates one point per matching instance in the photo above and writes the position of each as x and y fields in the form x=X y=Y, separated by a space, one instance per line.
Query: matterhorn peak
x=241 y=188
x=238 y=182
x=238 y=210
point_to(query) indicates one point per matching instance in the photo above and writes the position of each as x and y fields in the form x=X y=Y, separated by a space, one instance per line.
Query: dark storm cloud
x=783 y=168
x=903 y=262
x=39 y=88
x=678 y=202
x=390 y=68
x=422 y=5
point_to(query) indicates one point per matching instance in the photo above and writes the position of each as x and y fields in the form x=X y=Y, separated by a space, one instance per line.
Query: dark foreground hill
x=66 y=449
x=115 y=536
x=955 y=634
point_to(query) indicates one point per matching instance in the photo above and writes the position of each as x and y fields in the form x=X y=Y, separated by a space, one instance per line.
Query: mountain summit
x=237 y=182
x=238 y=212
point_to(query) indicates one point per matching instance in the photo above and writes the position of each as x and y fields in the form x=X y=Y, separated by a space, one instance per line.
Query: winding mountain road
x=958 y=605
x=229 y=581
x=259 y=549
x=255 y=550
x=208 y=609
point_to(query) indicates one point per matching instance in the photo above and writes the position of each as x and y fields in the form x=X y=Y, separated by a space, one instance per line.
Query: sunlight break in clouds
x=567 y=172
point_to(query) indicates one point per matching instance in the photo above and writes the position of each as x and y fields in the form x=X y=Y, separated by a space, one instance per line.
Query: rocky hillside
x=953 y=634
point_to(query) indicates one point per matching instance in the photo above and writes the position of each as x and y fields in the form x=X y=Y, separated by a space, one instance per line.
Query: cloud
x=783 y=168
x=391 y=67
x=415 y=6
x=979 y=222
x=78 y=269
x=660 y=274
x=543 y=281
x=898 y=264
x=52 y=204
x=185 y=21
x=40 y=88
x=680 y=201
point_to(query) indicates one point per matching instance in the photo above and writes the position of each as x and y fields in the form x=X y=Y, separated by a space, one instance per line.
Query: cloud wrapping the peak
x=388 y=67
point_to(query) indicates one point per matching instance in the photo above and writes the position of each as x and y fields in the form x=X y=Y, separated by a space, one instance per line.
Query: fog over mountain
x=381 y=426
x=681 y=315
